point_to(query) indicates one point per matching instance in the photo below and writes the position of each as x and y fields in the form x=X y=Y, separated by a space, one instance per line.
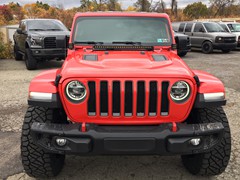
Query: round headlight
x=75 y=91
x=180 y=91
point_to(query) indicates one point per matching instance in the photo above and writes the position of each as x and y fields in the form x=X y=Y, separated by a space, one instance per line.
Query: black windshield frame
x=168 y=29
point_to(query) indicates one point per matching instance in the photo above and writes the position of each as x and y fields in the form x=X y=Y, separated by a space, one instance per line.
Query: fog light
x=195 y=141
x=61 y=142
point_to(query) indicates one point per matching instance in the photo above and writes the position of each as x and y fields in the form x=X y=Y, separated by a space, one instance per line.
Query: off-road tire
x=207 y=47
x=213 y=162
x=182 y=54
x=226 y=50
x=36 y=162
x=30 y=61
x=17 y=55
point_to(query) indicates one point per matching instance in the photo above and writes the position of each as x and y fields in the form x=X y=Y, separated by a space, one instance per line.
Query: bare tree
x=159 y=6
x=220 y=5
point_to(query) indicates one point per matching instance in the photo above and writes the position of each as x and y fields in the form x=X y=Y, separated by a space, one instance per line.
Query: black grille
x=165 y=101
x=147 y=103
x=229 y=39
x=67 y=41
x=50 y=42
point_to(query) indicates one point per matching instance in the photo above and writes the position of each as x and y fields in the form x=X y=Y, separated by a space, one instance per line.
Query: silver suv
x=208 y=36
x=232 y=27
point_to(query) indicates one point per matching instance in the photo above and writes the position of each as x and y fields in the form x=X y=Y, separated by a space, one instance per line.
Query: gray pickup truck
x=208 y=36
x=39 y=40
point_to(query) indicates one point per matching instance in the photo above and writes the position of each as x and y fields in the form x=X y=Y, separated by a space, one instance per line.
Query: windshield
x=234 y=27
x=120 y=30
x=213 y=27
x=45 y=25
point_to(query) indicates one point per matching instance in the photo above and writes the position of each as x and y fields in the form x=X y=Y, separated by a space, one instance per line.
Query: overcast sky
x=76 y=3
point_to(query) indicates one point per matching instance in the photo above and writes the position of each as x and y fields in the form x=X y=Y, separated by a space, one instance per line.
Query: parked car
x=183 y=44
x=232 y=27
x=39 y=40
x=208 y=36
x=123 y=90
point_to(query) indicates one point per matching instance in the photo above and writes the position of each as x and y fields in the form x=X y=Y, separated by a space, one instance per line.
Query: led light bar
x=40 y=96
x=214 y=96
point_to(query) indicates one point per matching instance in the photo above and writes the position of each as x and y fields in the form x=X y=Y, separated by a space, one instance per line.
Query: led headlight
x=36 y=41
x=75 y=91
x=180 y=91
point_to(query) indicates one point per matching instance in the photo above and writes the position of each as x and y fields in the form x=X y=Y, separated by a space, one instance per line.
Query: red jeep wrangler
x=123 y=90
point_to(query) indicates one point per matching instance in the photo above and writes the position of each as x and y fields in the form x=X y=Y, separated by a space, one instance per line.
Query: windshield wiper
x=37 y=29
x=126 y=42
x=87 y=42
x=53 y=29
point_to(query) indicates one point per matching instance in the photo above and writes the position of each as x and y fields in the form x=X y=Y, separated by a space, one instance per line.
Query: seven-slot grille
x=50 y=42
x=128 y=98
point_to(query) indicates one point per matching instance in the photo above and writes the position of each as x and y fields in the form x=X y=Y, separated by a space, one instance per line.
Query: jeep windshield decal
x=130 y=31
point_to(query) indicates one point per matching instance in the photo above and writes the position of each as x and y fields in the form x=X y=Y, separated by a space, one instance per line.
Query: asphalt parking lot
x=14 y=81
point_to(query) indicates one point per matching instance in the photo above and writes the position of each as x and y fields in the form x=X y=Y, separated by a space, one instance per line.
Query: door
x=197 y=35
x=22 y=37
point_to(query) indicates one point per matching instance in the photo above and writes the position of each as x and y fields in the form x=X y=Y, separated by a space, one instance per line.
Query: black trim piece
x=158 y=57
x=141 y=98
x=92 y=98
x=197 y=80
x=55 y=102
x=57 y=79
x=103 y=98
x=201 y=103
x=90 y=57
x=165 y=100
x=128 y=99
x=116 y=98
x=153 y=98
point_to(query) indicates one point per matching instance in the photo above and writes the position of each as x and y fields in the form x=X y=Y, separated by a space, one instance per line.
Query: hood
x=236 y=33
x=50 y=33
x=125 y=64
x=223 y=34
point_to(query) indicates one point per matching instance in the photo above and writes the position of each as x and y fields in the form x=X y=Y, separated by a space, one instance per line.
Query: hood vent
x=158 y=57
x=90 y=57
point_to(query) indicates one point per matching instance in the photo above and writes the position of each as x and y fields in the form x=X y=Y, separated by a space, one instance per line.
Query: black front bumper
x=99 y=140
x=225 y=46
x=50 y=53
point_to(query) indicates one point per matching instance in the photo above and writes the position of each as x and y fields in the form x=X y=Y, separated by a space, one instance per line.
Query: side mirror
x=19 y=31
x=202 y=30
x=71 y=46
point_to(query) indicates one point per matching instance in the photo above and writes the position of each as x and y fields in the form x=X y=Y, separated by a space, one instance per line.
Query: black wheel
x=226 y=50
x=31 y=62
x=36 y=162
x=213 y=162
x=207 y=47
x=17 y=55
x=182 y=54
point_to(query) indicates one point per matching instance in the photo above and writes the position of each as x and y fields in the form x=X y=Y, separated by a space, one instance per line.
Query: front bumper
x=224 y=46
x=50 y=53
x=98 y=140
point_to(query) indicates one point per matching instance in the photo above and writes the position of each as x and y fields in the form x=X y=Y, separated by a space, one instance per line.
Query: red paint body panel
x=122 y=66
x=209 y=83
x=44 y=82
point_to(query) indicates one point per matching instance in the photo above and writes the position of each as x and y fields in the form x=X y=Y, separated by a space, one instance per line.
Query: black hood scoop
x=158 y=57
x=90 y=57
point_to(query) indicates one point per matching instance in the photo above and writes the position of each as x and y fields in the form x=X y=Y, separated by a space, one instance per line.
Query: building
x=8 y=32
